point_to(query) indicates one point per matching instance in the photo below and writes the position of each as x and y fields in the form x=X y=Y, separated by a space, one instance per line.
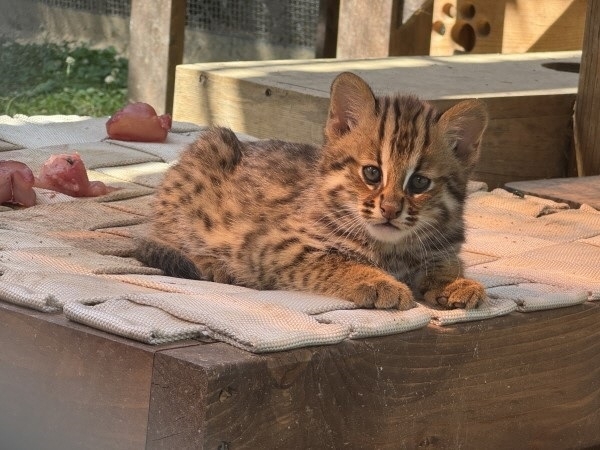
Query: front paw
x=461 y=293
x=381 y=294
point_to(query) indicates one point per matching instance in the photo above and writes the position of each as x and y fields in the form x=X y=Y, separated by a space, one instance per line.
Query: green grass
x=61 y=79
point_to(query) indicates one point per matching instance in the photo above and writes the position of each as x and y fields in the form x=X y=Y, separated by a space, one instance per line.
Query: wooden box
x=518 y=381
x=530 y=105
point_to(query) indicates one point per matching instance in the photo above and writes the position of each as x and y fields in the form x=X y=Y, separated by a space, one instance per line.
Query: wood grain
x=66 y=386
x=501 y=26
x=378 y=29
x=574 y=191
x=521 y=381
x=365 y=27
x=155 y=47
x=413 y=36
x=587 y=108
x=178 y=401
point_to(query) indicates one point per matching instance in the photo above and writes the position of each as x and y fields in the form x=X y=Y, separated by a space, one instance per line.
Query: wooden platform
x=519 y=381
x=530 y=105
x=574 y=191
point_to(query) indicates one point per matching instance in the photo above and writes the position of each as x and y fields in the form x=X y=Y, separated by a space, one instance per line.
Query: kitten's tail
x=171 y=261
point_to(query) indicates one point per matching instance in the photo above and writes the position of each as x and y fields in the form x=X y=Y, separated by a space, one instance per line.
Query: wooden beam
x=587 y=109
x=518 y=381
x=327 y=28
x=69 y=386
x=155 y=47
x=365 y=28
x=378 y=29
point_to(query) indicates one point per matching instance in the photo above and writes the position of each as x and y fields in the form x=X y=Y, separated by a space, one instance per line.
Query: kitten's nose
x=391 y=210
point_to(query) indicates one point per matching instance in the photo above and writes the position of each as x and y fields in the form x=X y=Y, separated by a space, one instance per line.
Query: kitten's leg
x=365 y=285
x=185 y=203
x=175 y=263
x=447 y=287
x=212 y=269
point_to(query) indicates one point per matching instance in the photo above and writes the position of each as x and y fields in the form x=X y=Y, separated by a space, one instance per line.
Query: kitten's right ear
x=464 y=125
x=351 y=100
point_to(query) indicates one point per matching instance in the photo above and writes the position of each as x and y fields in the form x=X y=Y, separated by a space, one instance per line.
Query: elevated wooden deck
x=519 y=381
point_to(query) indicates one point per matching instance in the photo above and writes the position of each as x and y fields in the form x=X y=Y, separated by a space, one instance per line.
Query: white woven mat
x=71 y=256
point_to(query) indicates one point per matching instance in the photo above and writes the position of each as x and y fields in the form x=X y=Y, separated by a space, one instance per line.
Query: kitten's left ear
x=464 y=125
x=351 y=100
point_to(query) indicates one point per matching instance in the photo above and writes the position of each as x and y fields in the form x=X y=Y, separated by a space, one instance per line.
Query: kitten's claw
x=461 y=293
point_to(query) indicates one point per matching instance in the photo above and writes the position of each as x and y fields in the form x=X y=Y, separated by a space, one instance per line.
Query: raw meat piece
x=138 y=122
x=16 y=183
x=66 y=174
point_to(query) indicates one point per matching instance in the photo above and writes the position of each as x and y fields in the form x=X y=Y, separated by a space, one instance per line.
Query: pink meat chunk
x=16 y=183
x=138 y=122
x=67 y=174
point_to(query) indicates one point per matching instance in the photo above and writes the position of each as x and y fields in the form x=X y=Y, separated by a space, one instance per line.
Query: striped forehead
x=405 y=123
x=404 y=131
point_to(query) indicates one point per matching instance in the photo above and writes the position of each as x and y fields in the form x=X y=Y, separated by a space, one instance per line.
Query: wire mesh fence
x=285 y=23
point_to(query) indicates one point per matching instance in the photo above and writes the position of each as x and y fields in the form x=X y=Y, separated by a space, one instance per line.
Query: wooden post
x=365 y=28
x=587 y=107
x=327 y=28
x=383 y=28
x=156 y=36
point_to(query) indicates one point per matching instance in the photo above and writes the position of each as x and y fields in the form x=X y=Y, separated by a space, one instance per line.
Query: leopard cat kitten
x=374 y=216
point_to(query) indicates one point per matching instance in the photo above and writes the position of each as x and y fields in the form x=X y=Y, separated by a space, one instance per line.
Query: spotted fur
x=374 y=216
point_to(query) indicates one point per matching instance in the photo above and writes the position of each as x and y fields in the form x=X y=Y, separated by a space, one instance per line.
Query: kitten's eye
x=372 y=174
x=418 y=184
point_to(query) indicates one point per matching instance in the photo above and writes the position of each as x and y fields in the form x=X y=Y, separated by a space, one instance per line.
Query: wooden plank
x=521 y=381
x=365 y=28
x=412 y=35
x=155 y=48
x=515 y=26
x=557 y=26
x=378 y=29
x=65 y=386
x=574 y=191
x=587 y=110
x=530 y=106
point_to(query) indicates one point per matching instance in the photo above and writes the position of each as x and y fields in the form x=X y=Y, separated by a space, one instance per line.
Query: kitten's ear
x=464 y=125
x=351 y=100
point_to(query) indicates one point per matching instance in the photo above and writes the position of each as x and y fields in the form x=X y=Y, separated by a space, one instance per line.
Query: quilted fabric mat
x=73 y=256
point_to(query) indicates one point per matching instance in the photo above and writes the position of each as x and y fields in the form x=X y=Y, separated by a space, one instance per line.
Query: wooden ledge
x=523 y=380
x=574 y=191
